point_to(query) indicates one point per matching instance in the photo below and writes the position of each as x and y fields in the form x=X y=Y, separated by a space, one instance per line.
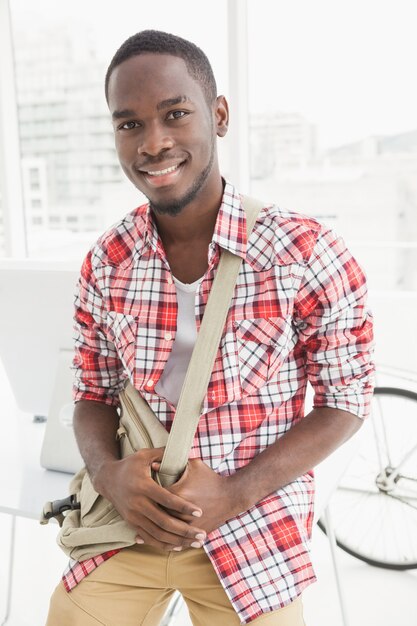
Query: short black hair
x=159 y=42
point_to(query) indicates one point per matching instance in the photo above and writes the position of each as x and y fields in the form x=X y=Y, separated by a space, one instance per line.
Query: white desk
x=24 y=485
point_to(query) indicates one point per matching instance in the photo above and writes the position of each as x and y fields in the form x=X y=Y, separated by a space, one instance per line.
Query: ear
x=221 y=115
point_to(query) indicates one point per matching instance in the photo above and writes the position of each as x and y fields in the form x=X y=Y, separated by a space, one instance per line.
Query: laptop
x=59 y=449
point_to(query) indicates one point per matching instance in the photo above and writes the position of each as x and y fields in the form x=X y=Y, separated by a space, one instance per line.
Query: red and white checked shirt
x=298 y=313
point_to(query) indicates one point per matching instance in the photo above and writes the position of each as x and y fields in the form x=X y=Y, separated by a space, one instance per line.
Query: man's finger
x=159 y=523
x=168 y=500
x=152 y=530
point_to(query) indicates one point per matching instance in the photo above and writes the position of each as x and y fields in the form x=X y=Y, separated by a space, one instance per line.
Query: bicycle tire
x=399 y=503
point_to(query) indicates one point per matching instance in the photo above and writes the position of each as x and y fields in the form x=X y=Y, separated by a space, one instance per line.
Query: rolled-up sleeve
x=98 y=372
x=335 y=328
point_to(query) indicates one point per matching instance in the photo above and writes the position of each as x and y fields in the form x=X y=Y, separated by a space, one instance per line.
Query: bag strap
x=199 y=370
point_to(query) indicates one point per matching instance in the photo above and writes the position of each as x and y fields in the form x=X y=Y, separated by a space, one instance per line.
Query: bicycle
x=374 y=509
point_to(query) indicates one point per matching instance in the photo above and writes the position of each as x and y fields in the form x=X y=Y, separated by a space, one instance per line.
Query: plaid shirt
x=298 y=313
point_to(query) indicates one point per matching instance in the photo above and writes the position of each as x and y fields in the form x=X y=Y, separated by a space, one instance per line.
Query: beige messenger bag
x=91 y=524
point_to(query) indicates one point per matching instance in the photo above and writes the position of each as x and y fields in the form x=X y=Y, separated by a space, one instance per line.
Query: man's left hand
x=216 y=495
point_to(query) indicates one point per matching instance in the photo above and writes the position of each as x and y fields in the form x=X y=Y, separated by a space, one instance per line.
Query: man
x=232 y=534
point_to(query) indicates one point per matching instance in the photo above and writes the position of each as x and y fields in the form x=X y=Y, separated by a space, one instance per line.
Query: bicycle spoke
x=401 y=476
x=402 y=500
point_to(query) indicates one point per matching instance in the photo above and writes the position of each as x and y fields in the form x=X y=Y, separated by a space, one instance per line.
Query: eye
x=176 y=115
x=128 y=125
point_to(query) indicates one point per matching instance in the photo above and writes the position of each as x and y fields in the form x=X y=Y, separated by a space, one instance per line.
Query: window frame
x=11 y=189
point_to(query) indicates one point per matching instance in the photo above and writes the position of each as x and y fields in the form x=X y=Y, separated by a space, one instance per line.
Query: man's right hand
x=142 y=503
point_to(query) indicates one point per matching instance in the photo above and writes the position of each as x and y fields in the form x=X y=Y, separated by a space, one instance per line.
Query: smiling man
x=232 y=535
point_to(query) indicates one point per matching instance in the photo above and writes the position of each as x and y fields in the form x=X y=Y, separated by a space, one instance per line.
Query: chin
x=172 y=208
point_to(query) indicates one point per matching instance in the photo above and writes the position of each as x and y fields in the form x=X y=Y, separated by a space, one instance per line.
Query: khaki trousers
x=134 y=587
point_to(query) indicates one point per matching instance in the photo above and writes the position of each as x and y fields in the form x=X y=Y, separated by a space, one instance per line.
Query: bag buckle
x=56 y=509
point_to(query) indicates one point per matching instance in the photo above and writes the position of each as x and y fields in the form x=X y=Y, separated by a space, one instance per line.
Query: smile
x=163 y=178
x=168 y=170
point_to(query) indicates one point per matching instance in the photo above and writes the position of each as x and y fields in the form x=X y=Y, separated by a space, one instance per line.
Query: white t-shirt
x=170 y=384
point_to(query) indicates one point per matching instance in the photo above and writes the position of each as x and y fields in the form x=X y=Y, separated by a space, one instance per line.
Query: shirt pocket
x=123 y=330
x=262 y=345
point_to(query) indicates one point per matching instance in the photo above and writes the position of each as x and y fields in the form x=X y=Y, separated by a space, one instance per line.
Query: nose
x=154 y=140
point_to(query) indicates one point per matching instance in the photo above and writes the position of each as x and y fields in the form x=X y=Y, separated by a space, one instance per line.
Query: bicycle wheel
x=374 y=509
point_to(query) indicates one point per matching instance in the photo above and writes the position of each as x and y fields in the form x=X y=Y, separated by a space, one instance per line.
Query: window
x=332 y=123
x=60 y=61
x=34 y=175
x=328 y=136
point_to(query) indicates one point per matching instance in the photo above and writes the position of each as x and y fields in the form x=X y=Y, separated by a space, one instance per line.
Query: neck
x=195 y=222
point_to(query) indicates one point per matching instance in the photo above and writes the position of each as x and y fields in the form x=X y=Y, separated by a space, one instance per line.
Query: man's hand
x=301 y=448
x=162 y=518
x=128 y=483
x=213 y=493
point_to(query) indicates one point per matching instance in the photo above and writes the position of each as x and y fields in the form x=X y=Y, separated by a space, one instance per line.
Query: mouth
x=162 y=177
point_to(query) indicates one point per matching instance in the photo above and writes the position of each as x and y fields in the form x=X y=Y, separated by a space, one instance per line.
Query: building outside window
x=333 y=129
x=72 y=181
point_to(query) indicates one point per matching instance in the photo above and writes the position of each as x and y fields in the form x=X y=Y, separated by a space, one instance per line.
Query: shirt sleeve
x=335 y=328
x=98 y=372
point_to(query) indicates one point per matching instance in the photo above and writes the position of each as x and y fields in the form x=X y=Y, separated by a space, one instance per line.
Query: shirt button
x=168 y=336
x=150 y=383
x=169 y=280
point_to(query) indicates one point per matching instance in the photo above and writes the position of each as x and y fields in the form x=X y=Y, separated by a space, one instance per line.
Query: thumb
x=156 y=454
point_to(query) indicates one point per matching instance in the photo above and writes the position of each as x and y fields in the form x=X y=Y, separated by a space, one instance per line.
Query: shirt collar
x=151 y=232
x=230 y=228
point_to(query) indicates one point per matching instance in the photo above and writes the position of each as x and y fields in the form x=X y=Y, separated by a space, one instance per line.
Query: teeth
x=162 y=172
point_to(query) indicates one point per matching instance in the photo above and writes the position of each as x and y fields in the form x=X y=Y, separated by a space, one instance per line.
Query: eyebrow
x=117 y=115
x=164 y=104
x=170 y=102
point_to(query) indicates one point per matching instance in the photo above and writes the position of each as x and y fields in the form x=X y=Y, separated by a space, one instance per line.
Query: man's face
x=165 y=130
